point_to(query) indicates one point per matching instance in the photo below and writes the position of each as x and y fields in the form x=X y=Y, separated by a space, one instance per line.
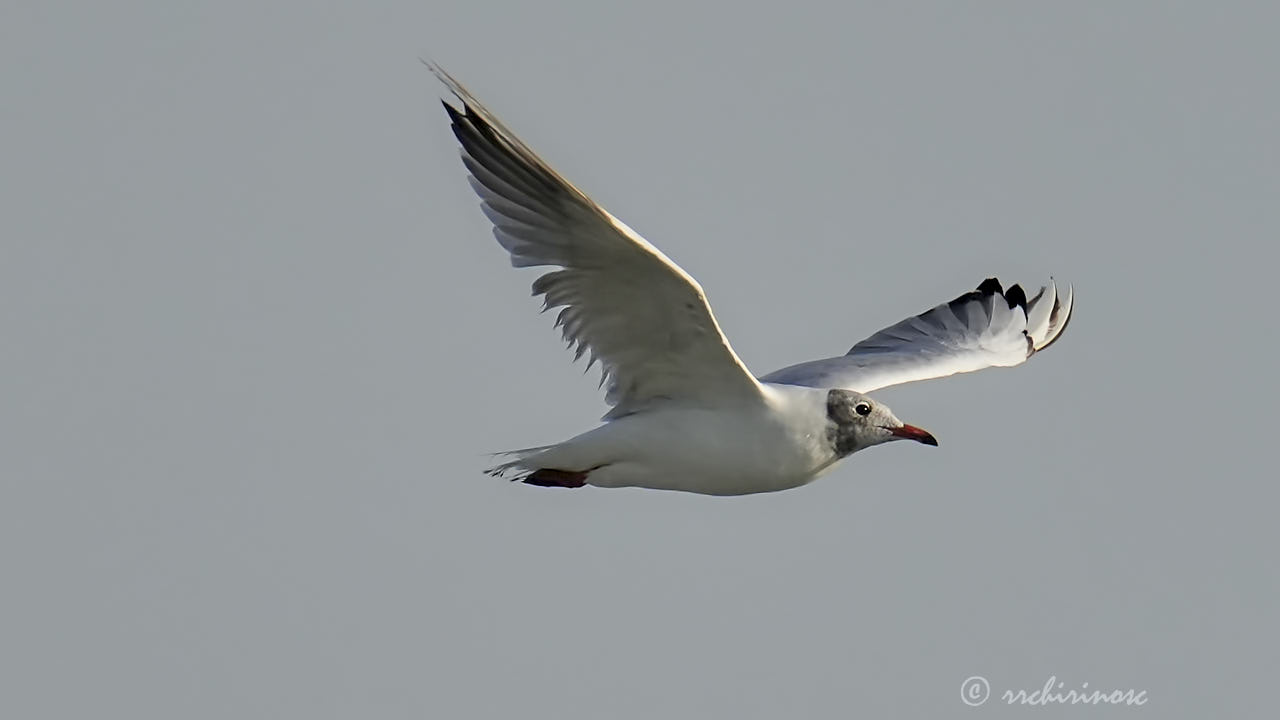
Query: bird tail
x=515 y=469
x=520 y=469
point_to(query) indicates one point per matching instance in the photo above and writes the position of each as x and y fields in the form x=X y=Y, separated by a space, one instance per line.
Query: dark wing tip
x=990 y=286
x=471 y=109
x=454 y=115
x=1016 y=297
x=987 y=289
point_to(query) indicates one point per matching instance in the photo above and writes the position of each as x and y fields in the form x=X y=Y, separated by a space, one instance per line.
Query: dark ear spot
x=840 y=430
x=839 y=406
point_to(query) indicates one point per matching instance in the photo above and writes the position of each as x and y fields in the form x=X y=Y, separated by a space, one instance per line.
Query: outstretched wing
x=646 y=320
x=989 y=327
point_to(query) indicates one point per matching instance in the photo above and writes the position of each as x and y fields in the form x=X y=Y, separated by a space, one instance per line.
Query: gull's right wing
x=645 y=319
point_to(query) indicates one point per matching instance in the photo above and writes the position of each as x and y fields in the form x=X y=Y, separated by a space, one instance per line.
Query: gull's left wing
x=989 y=327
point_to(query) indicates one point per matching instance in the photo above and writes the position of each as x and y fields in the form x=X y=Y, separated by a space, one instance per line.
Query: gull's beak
x=911 y=432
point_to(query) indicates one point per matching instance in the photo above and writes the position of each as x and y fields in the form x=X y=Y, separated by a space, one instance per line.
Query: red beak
x=911 y=432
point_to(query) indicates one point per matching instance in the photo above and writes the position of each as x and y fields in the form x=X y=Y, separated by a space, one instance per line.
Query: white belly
x=701 y=451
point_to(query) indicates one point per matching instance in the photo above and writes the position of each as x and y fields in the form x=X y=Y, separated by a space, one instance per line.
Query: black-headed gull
x=687 y=414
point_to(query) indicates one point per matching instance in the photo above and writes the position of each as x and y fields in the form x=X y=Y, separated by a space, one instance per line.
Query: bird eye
x=862 y=408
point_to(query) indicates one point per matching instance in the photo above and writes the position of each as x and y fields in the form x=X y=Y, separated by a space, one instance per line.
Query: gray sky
x=257 y=340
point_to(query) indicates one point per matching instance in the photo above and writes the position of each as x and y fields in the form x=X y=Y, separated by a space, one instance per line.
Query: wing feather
x=635 y=311
x=989 y=327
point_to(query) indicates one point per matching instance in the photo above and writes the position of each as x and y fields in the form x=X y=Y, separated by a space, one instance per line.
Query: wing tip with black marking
x=1045 y=323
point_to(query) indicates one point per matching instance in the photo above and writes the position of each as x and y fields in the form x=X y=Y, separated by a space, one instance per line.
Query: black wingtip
x=1016 y=297
x=990 y=286
x=986 y=289
x=455 y=115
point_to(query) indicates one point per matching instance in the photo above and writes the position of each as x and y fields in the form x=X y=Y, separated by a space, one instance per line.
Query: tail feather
x=522 y=470
x=516 y=469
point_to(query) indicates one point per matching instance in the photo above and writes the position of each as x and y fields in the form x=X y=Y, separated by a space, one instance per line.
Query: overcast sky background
x=256 y=339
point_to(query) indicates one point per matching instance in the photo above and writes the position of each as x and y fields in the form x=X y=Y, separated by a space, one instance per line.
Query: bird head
x=855 y=421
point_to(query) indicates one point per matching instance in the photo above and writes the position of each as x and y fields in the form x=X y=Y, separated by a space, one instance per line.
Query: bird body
x=687 y=414
x=781 y=443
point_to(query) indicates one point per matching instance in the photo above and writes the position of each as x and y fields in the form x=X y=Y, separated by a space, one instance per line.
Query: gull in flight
x=686 y=413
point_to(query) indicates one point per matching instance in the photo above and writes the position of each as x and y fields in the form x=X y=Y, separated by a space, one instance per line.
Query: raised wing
x=989 y=327
x=646 y=320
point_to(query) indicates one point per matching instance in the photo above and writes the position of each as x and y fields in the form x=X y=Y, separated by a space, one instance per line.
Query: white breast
x=716 y=452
